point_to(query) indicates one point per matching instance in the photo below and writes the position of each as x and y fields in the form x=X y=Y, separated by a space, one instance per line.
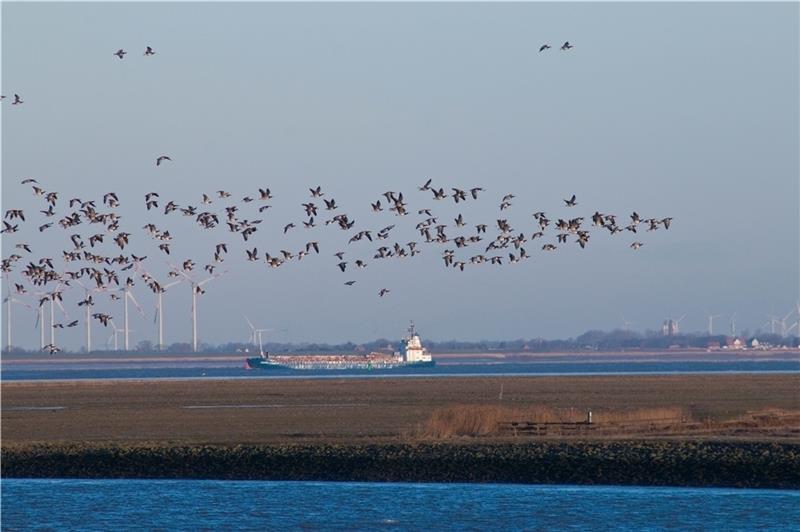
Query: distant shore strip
x=645 y=463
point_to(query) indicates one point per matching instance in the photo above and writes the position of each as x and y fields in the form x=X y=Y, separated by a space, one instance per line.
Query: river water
x=195 y=370
x=49 y=504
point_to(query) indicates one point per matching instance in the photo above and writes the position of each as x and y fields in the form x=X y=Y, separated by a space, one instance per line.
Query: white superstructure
x=414 y=352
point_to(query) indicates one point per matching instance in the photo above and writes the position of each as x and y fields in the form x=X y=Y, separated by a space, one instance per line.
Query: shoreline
x=624 y=462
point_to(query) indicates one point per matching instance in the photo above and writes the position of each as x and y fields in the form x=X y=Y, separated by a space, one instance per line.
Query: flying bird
x=120 y=53
x=566 y=46
x=544 y=47
x=571 y=202
x=149 y=51
x=161 y=159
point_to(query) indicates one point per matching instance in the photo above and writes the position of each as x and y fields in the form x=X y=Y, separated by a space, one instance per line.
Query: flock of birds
x=99 y=258
x=101 y=252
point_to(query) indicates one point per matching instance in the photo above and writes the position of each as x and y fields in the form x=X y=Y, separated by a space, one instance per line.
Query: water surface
x=44 y=504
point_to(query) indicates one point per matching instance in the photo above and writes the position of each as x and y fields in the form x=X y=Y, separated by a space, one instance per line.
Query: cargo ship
x=411 y=355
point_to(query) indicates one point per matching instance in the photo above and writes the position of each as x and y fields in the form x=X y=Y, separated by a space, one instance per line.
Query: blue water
x=537 y=368
x=232 y=505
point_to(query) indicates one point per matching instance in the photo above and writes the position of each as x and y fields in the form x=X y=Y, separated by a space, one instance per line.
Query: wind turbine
x=159 y=289
x=8 y=300
x=626 y=325
x=196 y=289
x=252 y=338
x=127 y=294
x=785 y=330
x=89 y=303
x=53 y=298
x=733 y=324
x=260 y=344
x=711 y=322
x=160 y=311
x=677 y=323
x=256 y=333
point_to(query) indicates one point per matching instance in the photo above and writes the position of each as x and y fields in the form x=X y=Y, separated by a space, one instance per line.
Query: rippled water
x=188 y=371
x=228 y=505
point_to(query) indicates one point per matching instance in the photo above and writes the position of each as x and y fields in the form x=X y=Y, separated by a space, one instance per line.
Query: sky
x=674 y=110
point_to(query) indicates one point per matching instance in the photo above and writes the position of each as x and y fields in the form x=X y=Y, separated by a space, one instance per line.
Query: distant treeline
x=588 y=341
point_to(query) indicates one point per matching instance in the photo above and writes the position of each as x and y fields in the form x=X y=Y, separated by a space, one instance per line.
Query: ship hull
x=266 y=364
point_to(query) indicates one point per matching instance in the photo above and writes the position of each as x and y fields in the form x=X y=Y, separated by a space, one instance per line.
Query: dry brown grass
x=471 y=420
x=391 y=409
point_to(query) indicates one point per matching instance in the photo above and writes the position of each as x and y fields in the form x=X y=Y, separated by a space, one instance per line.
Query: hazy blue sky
x=671 y=109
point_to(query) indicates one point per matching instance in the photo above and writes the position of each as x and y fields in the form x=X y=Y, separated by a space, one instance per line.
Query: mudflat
x=375 y=410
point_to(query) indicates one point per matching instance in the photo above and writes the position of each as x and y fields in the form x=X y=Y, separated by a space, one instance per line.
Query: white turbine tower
x=9 y=300
x=55 y=299
x=260 y=343
x=160 y=311
x=88 y=302
x=676 y=324
x=252 y=339
x=256 y=333
x=784 y=329
x=126 y=295
x=196 y=289
x=159 y=289
x=711 y=322
x=733 y=324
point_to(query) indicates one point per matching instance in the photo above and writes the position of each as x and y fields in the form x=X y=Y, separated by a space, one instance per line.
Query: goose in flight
x=287 y=227
x=103 y=318
x=316 y=192
x=350 y=283
x=571 y=202
x=637 y=245
x=120 y=53
x=566 y=46
x=15 y=213
x=383 y=292
x=149 y=51
x=544 y=47
x=459 y=194
x=474 y=191
x=427 y=185
x=162 y=158
x=17 y=100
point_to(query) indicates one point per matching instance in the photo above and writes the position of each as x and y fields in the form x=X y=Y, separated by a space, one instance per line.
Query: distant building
x=669 y=327
x=732 y=342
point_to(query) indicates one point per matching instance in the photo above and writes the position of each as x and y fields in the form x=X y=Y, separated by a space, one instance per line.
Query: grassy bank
x=663 y=463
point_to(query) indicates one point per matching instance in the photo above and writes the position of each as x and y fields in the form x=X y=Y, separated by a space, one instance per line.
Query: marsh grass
x=485 y=420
